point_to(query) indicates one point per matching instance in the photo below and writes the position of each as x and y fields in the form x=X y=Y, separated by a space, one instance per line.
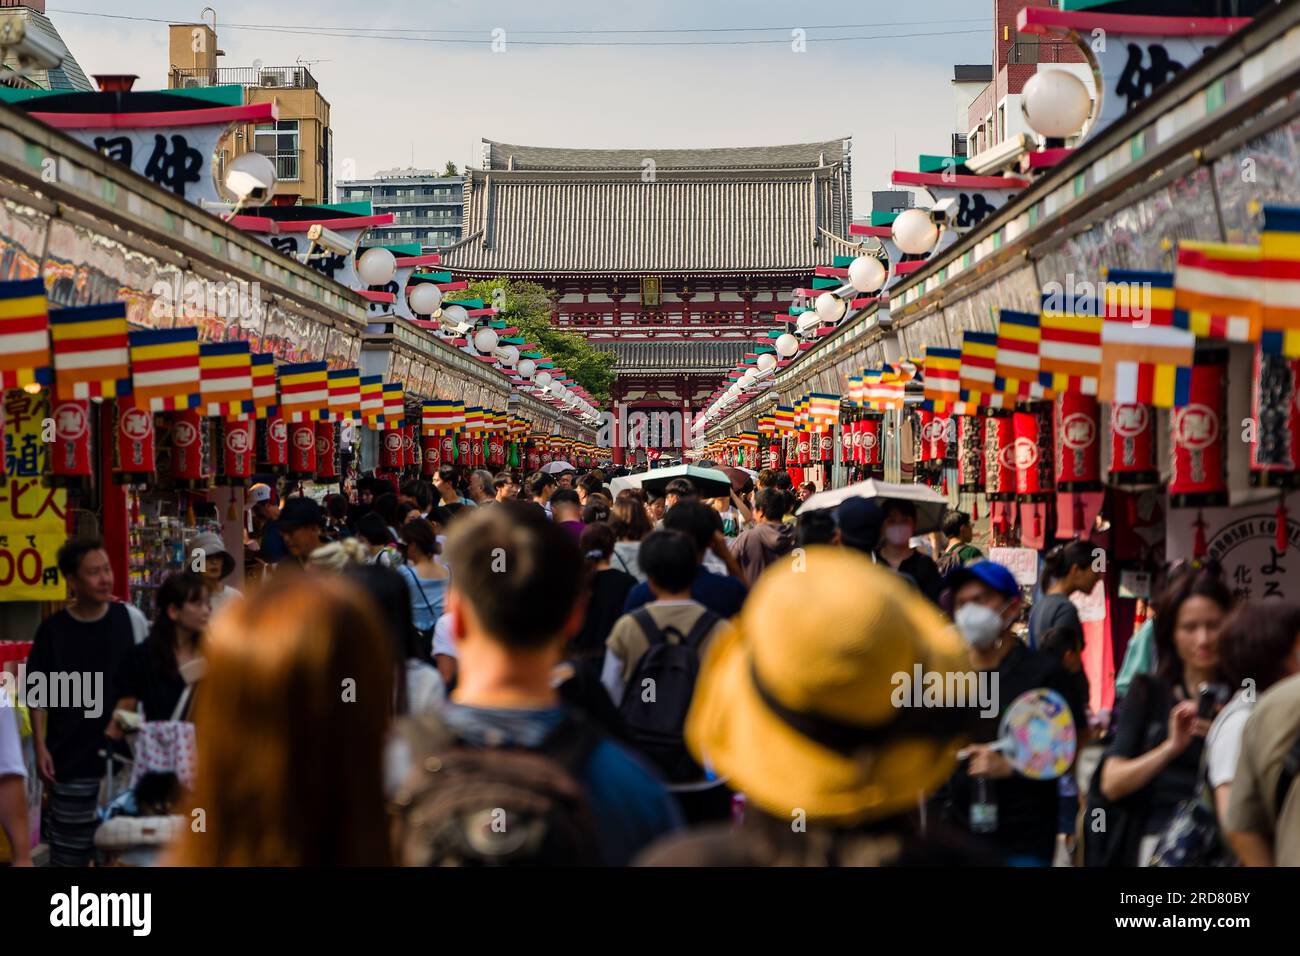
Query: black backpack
x=462 y=805
x=655 y=725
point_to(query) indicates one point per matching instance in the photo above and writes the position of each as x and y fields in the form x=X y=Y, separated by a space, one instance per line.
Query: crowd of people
x=483 y=670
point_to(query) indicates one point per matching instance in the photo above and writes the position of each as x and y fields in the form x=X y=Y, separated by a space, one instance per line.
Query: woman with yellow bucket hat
x=799 y=709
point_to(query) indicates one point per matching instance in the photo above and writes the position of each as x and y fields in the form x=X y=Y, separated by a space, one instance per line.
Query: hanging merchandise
x=970 y=453
x=1199 y=438
x=1275 y=451
x=1133 y=445
x=273 y=443
x=327 y=452
x=1078 y=452
x=133 y=459
x=70 y=459
x=302 y=449
x=235 y=450
x=190 y=447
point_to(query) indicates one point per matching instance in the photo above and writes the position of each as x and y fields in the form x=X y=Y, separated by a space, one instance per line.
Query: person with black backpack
x=652 y=659
x=507 y=774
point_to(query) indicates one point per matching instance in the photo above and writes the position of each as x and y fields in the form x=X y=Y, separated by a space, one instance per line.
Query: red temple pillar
x=116 y=519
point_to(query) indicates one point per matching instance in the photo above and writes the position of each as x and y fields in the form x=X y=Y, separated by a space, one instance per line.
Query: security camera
x=32 y=51
x=251 y=178
x=330 y=240
x=944 y=211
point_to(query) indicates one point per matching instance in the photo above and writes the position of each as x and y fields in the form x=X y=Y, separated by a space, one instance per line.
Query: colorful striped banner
x=226 y=379
x=165 y=369
x=1280 y=245
x=372 y=400
x=1069 y=348
x=1220 y=287
x=394 y=406
x=942 y=378
x=264 y=390
x=978 y=372
x=1017 y=364
x=344 y=394
x=92 y=352
x=1146 y=347
x=24 y=334
x=304 y=392
x=824 y=408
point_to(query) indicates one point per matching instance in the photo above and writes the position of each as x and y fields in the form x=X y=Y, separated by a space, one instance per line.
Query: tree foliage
x=527 y=306
x=450 y=169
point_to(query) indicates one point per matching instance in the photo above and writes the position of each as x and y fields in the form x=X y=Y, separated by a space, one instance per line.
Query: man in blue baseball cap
x=1022 y=821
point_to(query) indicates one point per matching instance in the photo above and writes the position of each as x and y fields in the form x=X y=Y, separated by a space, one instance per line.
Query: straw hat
x=794 y=706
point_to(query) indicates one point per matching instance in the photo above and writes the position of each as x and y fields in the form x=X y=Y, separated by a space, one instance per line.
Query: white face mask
x=980 y=625
x=898 y=534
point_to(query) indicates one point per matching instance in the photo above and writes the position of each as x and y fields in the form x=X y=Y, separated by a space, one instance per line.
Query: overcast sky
x=393 y=101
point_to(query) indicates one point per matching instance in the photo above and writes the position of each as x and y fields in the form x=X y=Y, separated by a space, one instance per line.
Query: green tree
x=527 y=306
x=450 y=169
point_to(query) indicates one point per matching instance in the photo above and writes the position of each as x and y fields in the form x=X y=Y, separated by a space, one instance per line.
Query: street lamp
x=915 y=232
x=1055 y=103
x=830 y=307
x=867 y=274
x=786 y=345
x=377 y=266
x=526 y=368
x=485 y=340
x=767 y=361
x=424 y=297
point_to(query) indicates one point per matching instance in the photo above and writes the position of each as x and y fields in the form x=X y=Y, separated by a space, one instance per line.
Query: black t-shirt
x=64 y=646
x=923 y=572
x=1028 y=810
x=609 y=590
x=142 y=677
x=1143 y=724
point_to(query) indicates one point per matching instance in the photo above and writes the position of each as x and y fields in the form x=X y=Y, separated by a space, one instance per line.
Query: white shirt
x=425 y=691
x=225 y=596
x=11 y=747
x=442 y=642
x=1223 y=742
x=139 y=623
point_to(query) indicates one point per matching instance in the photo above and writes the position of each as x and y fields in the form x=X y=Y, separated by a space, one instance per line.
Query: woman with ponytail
x=1067 y=569
x=608 y=587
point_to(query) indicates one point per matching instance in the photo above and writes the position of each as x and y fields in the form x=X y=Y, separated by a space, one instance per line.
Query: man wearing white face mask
x=986 y=603
x=897 y=531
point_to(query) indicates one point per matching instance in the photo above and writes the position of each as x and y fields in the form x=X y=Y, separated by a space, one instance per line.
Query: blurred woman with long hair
x=154 y=675
x=291 y=728
x=630 y=524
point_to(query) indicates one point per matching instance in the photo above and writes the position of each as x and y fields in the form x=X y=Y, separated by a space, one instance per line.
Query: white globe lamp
x=830 y=307
x=377 y=266
x=543 y=379
x=1056 y=104
x=485 y=340
x=914 y=232
x=786 y=345
x=867 y=274
x=767 y=362
x=526 y=368
x=424 y=297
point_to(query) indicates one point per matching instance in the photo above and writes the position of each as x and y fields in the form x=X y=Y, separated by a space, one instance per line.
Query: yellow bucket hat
x=795 y=705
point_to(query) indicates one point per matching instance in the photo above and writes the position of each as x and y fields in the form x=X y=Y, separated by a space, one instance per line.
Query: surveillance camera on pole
x=332 y=242
x=31 y=50
x=250 y=178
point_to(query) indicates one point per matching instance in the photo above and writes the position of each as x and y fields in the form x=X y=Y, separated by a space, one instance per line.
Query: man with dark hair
x=588 y=484
x=783 y=481
x=417 y=492
x=505 y=486
x=722 y=594
x=540 y=488
x=816 y=527
x=81 y=648
x=513 y=604
x=566 y=512
x=679 y=489
x=303 y=524
x=959 y=531
x=337 y=526
x=769 y=539
x=767 y=478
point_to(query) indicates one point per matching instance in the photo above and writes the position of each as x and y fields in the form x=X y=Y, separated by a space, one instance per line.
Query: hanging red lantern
x=774 y=456
x=1199 y=438
x=1078 y=451
x=1275 y=452
x=921 y=420
x=134 y=457
x=1133 y=445
x=235 y=450
x=327 y=452
x=273 y=442
x=70 y=451
x=392 y=456
x=873 y=445
x=534 y=456
x=825 y=445
x=999 y=457
x=463 y=446
x=938 y=437
x=970 y=453
x=431 y=445
x=447 y=448
x=302 y=449
x=847 y=431
x=188 y=441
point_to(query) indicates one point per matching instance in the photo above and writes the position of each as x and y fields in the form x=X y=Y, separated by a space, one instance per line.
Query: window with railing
x=278 y=141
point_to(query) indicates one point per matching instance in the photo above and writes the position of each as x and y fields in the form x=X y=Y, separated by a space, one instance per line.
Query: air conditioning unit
x=273 y=79
x=192 y=82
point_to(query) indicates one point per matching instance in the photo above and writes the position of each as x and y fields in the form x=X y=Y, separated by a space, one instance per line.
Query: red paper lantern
x=1133 y=445
x=1199 y=440
x=774 y=456
x=1078 y=449
x=1033 y=451
x=826 y=445
x=188 y=438
x=238 y=439
x=431 y=445
x=463 y=444
x=1275 y=452
x=938 y=435
x=847 y=431
x=134 y=458
x=273 y=435
x=392 y=454
x=302 y=449
x=970 y=453
x=327 y=462
x=534 y=457
x=873 y=446
x=70 y=452
x=999 y=457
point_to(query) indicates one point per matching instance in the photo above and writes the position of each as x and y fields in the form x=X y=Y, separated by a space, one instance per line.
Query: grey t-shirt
x=1052 y=610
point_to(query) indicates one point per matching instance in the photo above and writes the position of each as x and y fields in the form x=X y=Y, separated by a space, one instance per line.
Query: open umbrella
x=930 y=505
x=555 y=467
x=708 y=482
x=741 y=479
x=627 y=481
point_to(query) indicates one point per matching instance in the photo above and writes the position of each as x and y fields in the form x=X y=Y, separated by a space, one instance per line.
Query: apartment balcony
x=415 y=201
x=288 y=164
x=439 y=221
x=267 y=77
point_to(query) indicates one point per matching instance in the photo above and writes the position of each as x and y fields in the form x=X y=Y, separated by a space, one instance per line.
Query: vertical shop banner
x=70 y=452
x=189 y=447
x=392 y=454
x=1244 y=541
x=1275 y=452
x=134 y=459
x=873 y=447
x=327 y=451
x=970 y=453
x=999 y=457
x=33 y=517
x=447 y=446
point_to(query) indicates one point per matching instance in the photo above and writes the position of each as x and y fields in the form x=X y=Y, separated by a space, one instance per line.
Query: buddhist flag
x=1280 y=244
x=978 y=372
x=92 y=354
x=942 y=378
x=784 y=419
x=1017 y=367
x=264 y=392
x=1220 y=286
x=394 y=405
x=344 y=394
x=304 y=392
x=24 y=334
x=823 y=408
x=767 y=424
x=372 y=399
x=856 y=389
x=165 y=369
x=438 y=415
x=1146 y=348
x=226 y=379
x=1069 y=348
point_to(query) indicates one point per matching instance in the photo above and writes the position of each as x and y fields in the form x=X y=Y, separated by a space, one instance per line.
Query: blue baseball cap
x=989 y=573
